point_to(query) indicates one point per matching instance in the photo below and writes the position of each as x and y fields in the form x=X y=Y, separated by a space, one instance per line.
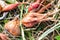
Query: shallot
x=3 y=37
x=33 y=18
x=35 y=5
x=10 y=7
x=13 y=27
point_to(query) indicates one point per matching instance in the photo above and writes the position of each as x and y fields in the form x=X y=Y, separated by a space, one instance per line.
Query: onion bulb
x=32 y=18
x=10 y=7
x=3 y=37
x=13 y=27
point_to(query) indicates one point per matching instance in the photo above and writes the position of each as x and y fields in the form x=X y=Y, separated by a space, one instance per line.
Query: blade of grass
x=26 y=9
x=30 y=35
x=22 y=30
x=57 y=37
x=10 y=1
x=49 y=31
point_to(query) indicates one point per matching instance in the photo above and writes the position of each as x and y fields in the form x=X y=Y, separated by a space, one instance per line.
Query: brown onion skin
x=45 y=8
x=3 y=37
x=1 y=8
x=34 y=5
x=13 y=27
x=10 y=7
x=32 y=18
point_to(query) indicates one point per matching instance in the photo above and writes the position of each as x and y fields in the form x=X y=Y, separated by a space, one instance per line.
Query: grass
x=22 y=30
x=32 y=33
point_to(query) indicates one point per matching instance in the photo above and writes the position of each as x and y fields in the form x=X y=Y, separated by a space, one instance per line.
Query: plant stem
x=49 y=31
x=22 y=30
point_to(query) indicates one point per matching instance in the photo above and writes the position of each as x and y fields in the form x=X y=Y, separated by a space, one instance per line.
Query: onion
x=10 y=7
x=32 y=18
x=35 y=5
x=13 y=27
x=3 y=37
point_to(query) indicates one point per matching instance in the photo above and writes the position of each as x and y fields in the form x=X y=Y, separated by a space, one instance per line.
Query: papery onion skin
x=13 y=27
x=10 y=7
x=3 y=37
x=32 y=18
x=1 y=8
x=34 y=5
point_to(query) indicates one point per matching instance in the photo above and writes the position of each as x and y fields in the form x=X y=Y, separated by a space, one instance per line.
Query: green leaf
x=29 y=35
x=57 y=37
x=5 y=21
x=22 y=29
x=56 y=16
x=49 y=31
x=11 y=1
